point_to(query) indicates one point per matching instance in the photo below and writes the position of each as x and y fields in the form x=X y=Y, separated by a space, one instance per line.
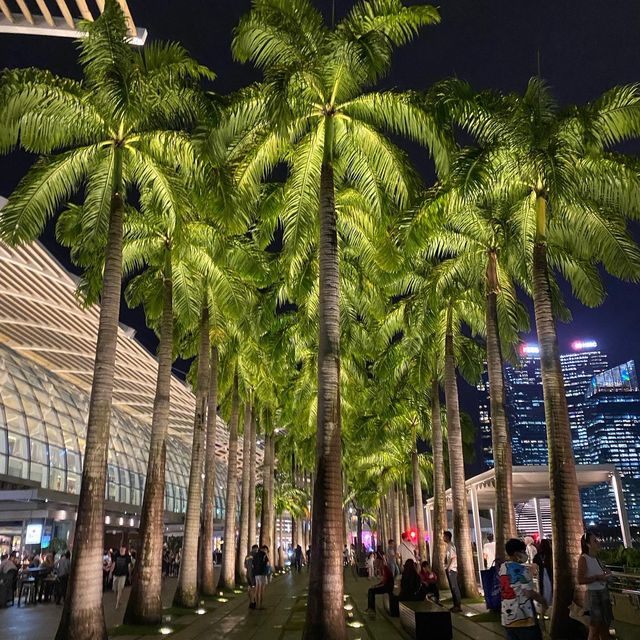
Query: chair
x=28 y=589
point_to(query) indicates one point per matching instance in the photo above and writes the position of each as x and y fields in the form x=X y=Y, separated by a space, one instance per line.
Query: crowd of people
x=523 y=600
x=46 y=572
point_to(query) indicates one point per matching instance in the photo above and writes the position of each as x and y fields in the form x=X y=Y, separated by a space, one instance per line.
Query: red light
x=412 y=533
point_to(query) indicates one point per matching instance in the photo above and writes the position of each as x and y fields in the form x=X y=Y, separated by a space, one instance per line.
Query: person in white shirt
x=406 y=550
x=451 y=569
x=489 y=551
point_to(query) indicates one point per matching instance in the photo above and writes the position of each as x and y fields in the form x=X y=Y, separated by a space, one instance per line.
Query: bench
x=426 y=619
x=391 y=605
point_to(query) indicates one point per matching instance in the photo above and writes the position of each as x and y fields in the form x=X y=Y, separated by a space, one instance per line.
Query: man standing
x=489 y=551
x=121 y=571
x=451 y=569
x=62 y=568
x=407 y=550
x=251 y=581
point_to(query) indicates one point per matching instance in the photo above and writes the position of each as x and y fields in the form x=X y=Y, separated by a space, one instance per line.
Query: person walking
x=593 y=574
x=297 y=558
x=489 y=551
x=251 y=581
x=385 y=585
x=518 y=616
x=121 y=571
x=451 y=569
x=261 y=574
x=62 y=568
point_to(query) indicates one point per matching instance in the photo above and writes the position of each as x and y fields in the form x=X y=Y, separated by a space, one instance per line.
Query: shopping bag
x=491 y=587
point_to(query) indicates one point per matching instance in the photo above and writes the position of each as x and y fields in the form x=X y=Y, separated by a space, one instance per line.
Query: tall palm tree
x=107 y=133
x=243 y=539
x=227 y=569
x=186 y=594
x=310 y=112
x=572 y=198
x=207 y=578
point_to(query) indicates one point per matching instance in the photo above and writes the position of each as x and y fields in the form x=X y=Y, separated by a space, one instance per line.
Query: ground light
x=348 y=607
x=201 y=611
x=355 y=624
x=165 y=631
x=223 y=599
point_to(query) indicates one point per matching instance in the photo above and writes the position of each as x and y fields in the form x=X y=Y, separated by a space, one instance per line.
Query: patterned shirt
x=517 y=608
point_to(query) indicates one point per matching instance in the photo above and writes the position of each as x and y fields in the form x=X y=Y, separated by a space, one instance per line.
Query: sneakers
x=456 y=609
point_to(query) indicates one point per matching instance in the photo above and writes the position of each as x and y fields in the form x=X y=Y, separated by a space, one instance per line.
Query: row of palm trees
x=335 y=304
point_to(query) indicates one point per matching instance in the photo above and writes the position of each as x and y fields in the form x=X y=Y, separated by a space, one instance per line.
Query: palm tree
x=572 y=197
x=227 y=570
x=186 y=594
x=477 y=242
x=207 y=579
x=243 y=539
x=310 y=113
x=107 y=133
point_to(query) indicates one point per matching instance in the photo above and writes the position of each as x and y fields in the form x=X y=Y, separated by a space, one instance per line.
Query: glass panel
x=56 y=480
x=18 y=468
x=18 y=446
x=54 y=435
x=37 y=428
x=38 y=452
x=57 y=457
x=31 y=408
x=70 y=441
x=39 y=473
x=73 y=483
x=15 y=420
x=73 y=461
x=10 y=398
x=3 y=463
x=65 y=422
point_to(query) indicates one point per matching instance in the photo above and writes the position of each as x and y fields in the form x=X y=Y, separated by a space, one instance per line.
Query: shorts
x=119 y=582
x=599 y=606
x=261 y=580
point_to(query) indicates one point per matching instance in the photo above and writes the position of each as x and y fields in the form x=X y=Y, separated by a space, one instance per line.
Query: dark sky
x=584 y=48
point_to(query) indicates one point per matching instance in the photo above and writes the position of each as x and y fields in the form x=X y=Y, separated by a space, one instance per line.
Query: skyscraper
x=612 y=425
x=525 y=403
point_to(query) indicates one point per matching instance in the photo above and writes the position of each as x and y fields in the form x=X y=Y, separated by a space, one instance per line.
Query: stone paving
x=228 y=617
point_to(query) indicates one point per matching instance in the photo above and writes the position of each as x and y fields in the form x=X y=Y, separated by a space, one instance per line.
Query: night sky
x=584 y=47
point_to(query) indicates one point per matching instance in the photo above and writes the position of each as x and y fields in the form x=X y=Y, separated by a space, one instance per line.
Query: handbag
x=491 y=587
x=579 y=613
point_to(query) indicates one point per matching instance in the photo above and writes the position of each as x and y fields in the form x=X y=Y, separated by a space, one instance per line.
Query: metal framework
x=41 y=318
x=40 y=19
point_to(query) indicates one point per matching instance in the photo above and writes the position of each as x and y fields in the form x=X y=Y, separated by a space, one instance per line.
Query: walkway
x=228 y=617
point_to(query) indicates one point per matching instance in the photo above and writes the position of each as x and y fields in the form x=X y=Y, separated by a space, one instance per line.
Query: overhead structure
x=42 y=18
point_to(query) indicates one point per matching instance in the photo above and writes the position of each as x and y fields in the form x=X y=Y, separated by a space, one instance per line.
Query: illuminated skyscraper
x=525 y=403
x=612 y=425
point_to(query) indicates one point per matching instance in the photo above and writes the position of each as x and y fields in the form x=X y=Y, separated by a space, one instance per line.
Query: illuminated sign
x=34 y=534
x=529 y=349
x=580 y=345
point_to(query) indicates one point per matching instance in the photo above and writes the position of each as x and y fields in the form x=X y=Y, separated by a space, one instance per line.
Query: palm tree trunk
x=272 y=491
x=505 y=520
x=267 y=496
x=243 y=546
x=439 y=493
x=325 y=613
x=418 y=505
x=397 y=514
x=187 y=590
x=406 y=512
x=227 y=570
x=145 y=604
x=83 y=613
x=207 y=584
x=461 y=529
x=252 y=485
x=566 y=510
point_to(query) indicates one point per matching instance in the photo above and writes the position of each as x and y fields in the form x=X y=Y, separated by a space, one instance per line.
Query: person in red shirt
x=385 y=585
x=430 y=580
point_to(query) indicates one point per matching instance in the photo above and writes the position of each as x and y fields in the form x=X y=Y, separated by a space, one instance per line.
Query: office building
x=612 y=423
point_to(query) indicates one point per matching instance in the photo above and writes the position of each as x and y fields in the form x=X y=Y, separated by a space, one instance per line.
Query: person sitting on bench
x=411 y=587
x=430 y=580
x=385 y=585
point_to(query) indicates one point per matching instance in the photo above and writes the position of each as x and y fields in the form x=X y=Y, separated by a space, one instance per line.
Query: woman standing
x=595 y=576
x=544 y=561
